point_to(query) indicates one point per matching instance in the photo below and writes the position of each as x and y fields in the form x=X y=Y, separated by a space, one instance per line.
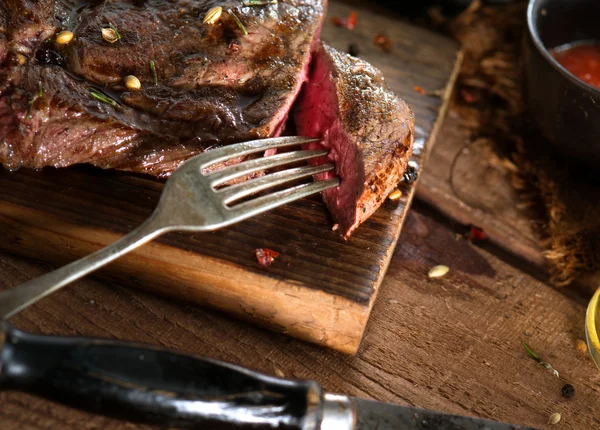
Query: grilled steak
x=366 y=128
x=213 y=83
x=202 y=85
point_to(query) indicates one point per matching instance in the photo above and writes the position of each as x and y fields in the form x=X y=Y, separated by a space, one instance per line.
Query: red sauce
x=582 y=61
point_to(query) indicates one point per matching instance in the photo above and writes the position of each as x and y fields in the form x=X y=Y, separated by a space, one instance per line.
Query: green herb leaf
x=531 y=353
x=28 y=116
x=115 y=30
x=101 y=97
x=39 y=94
x=258 y=2
x=237 y=21
x=153 y=70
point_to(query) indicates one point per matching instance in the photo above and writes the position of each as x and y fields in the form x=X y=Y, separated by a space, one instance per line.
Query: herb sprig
x=238 y=22
x=539 y=361
x=113 y=28
x=39 y=95
x=153 y=70
x=258 y=2
x=101 y=97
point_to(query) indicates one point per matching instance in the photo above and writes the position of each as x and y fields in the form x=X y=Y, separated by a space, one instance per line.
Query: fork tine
x=245 y=148
x=265 y=203
x=252 y=186
x=231 y=172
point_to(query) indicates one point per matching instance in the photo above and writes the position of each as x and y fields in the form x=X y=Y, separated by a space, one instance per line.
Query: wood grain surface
x=471 y=184
x=450 y=344
x=321 y=288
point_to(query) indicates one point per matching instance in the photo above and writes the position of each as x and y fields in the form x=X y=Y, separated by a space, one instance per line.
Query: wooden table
x=451 y=344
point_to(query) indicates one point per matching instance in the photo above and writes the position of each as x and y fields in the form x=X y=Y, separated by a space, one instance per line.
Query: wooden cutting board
x=321 y=288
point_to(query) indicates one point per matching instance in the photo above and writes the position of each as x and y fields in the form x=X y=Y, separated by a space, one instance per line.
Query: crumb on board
x=469 y=95
x=476 y=234
x=554 y=418
x=438 y=271
x=419 y=90
x=348 y=23
x=581 y=346
x=395 y=195
x=265 y=256
x=383 y=42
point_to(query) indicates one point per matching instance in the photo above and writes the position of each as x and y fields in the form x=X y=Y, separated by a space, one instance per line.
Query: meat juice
x=582 y=60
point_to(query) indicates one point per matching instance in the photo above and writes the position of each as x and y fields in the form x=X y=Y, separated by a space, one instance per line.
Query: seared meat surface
x=213 y=84
x=202 y=85
x=367 y=130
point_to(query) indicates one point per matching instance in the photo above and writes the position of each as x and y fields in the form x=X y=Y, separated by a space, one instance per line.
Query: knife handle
x=153 y=386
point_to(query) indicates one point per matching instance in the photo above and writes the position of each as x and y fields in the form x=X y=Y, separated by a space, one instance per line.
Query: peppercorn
x=567 y=391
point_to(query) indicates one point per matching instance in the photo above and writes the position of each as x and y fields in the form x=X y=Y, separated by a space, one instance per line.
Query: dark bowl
x=563 y=109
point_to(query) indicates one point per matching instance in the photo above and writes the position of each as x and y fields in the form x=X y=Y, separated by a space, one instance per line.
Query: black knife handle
x=153 y=386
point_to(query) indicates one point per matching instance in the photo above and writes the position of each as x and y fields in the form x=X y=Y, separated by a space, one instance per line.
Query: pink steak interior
x=317 y=115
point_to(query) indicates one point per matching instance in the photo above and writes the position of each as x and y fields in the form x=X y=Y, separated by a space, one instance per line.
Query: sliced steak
x=367 y=130
x=214 y=84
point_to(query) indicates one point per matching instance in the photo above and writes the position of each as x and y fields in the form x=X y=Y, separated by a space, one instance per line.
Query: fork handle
x=18 y=298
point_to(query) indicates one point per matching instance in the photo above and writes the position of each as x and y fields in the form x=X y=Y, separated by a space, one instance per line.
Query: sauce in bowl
x=582 y=60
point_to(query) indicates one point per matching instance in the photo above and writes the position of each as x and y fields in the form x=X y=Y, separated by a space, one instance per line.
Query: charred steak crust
x=215 y=84
x=365 y=126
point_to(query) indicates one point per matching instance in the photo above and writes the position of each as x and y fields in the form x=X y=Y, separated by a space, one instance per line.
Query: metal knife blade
x=373 y=415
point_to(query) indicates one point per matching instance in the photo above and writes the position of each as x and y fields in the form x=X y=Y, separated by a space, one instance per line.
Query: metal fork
x=193 y=200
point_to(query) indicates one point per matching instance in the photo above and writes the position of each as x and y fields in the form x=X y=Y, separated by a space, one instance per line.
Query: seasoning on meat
x=259 y=2
x=200 y=92
x=110 y=35
x=265 y=256
x=152 y=66
x=213 y=15
x=64 y=37
x=101 y=97
x=132 y=83
x=238 y=21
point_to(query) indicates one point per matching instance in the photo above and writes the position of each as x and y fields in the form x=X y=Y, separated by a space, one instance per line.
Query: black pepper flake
x=567 y=391
x=353 y=49
x=234 y=46
x=410 y=175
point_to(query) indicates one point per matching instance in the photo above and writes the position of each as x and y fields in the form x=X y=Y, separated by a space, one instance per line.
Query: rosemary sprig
x=101 y=97
x=39 y=94
x=115 y=30
x=238 y=22
x=153 y=70
x=539 y=361
x=258 y=2
x=531 y=353
x=28 y=116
